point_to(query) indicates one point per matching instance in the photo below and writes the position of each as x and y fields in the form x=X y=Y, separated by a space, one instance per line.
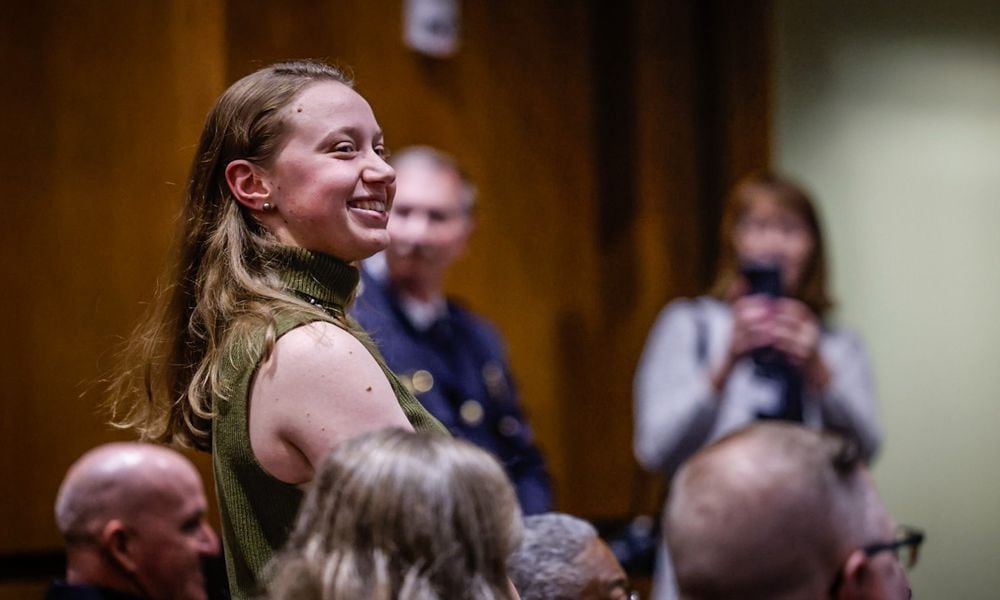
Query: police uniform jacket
x=458 y=370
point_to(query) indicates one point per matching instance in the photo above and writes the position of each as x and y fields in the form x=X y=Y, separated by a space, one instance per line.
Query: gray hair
x=545 y=566
x=438 y=160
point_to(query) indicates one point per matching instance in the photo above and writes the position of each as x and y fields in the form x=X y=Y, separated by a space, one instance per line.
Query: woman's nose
x=379 y=171
x=773 y=243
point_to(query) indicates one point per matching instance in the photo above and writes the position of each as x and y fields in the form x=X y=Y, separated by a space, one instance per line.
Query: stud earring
x=267 y=207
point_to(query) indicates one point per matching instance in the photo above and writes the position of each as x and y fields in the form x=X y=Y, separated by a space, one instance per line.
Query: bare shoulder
x=321 y=340
x=323 y=361
x=319 y=386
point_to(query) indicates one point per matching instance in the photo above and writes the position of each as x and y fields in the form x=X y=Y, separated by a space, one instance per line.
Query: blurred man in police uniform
x=452 y=360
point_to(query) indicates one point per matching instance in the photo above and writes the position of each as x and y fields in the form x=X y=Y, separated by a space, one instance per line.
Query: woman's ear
x=246 y=183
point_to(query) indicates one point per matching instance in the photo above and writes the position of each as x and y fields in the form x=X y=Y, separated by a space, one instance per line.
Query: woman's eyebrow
x=349 y=131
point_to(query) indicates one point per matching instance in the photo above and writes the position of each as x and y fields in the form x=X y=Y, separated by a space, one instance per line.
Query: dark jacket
x=469 y=387
x=60 y=590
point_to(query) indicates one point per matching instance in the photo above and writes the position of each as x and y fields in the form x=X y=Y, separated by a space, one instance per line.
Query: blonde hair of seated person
x=395 y=514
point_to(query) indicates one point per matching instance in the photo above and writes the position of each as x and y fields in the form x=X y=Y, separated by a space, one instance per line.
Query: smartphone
x=763 y=279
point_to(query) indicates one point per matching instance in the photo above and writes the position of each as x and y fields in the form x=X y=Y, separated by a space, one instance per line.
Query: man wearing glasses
x=779 y=511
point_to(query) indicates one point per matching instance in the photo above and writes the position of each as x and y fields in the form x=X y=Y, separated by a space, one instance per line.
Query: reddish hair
x=788 y=195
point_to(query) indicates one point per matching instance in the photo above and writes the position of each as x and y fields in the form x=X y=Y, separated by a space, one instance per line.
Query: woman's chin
x=379 y=243
x=369 y=246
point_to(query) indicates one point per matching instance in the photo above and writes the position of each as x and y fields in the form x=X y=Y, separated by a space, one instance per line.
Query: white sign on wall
x=431 y=27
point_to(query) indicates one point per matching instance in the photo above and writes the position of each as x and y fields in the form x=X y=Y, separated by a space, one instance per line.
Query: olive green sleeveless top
x=257 y=510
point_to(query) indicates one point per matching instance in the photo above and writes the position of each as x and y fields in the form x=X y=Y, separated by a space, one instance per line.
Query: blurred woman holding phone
x=757 y=346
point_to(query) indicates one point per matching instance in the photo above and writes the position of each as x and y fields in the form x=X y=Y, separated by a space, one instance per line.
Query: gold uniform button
x=494 y=379
x=422 y=381
x=509 y=426
x=471 y=412
x=493 y=373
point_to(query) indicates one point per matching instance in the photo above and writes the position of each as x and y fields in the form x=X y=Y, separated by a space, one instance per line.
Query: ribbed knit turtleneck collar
x=326 y=279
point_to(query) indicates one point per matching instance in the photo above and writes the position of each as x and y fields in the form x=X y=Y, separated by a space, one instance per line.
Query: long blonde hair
x=225 y=283
x=396 y=514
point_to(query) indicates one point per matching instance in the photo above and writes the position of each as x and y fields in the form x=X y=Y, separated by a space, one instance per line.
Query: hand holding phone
x=796 y=331
x=752 y=324
x=763 y=281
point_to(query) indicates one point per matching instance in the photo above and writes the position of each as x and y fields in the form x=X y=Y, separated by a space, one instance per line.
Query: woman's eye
x=344 y=147
x=383 y=151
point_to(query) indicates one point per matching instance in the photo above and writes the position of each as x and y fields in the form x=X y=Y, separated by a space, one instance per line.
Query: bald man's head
x=113 y=481
x=770 y=512
x=133 y=516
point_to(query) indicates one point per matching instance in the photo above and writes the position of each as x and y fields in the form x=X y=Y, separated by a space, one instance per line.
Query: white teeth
x=376 y=205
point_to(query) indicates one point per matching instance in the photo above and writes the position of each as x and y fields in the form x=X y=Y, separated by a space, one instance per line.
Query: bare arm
x=319 y=387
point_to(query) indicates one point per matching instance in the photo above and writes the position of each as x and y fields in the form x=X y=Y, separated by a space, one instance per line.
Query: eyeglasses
x=905 y=547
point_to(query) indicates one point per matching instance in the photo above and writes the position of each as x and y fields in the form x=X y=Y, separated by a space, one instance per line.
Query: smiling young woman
x=250 y=353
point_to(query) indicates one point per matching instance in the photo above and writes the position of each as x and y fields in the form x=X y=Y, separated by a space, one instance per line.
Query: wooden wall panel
x=686 y=85
x=703 y=115
x=599 y=135
x=107 y=108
